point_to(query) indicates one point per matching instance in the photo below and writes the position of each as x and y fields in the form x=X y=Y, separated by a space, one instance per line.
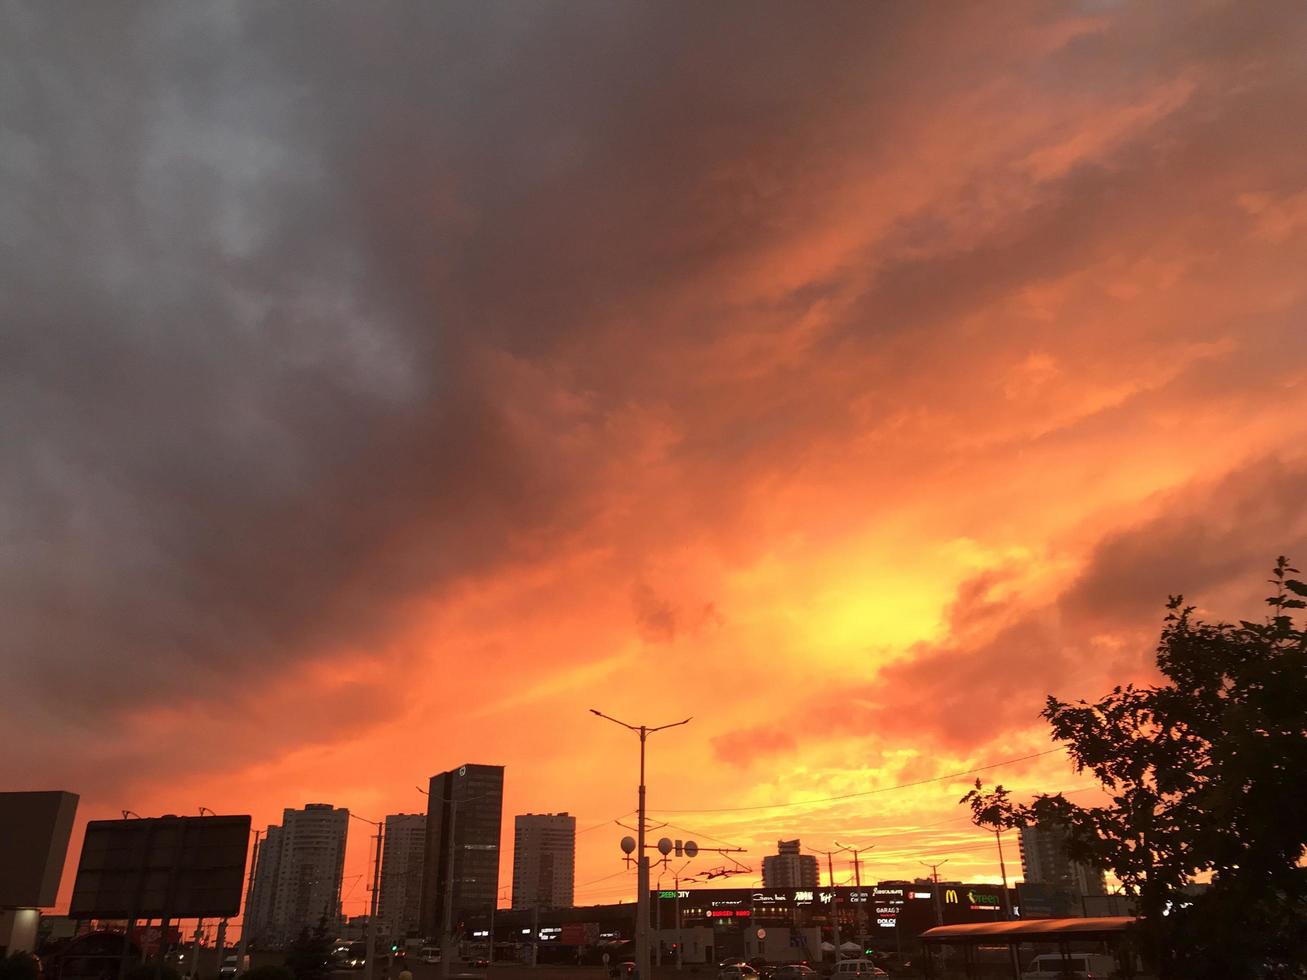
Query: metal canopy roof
x=1107 y=925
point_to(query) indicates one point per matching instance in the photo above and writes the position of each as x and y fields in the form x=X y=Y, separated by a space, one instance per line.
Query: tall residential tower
x=298 y=874
x=787 y=868
x=544 y=860
x=461 y=861
x=401 y=873
x=1044 y=861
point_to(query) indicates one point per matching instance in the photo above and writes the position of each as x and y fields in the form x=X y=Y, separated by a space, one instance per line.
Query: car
x=1053 y=966
x=355 y=957
x=730 y=961
x=230 y=968
x=792 y=971
x=430 y=954
x=847 y=969
x=737 y=971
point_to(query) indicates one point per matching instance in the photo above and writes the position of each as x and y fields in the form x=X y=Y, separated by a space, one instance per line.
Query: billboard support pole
x=246 y=917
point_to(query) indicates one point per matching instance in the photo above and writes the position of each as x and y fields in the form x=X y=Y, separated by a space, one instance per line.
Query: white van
x=848 y=969
x=1052 y=966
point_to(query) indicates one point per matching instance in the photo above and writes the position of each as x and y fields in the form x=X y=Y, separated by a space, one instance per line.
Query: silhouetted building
x=461 y=860
x=298 y=874
x=1044 y=861
x=544 y=860
x=400 y=899
x=787 y=868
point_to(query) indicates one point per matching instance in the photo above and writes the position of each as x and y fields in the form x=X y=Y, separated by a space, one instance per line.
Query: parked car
x=737 y=971
x=230 y=968
x=730 y=961
x=430 y=954
x=1053 y=966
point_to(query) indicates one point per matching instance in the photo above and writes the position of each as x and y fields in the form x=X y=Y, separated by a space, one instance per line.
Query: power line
x=605 y=823
x=868 y=792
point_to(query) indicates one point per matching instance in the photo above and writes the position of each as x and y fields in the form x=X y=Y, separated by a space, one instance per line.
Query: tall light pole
x=245 y=919
x=642 y=859
x=857 y=882
x=447 y=916
x=369 y=960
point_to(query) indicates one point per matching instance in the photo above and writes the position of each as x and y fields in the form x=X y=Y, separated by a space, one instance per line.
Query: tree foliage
x=308 y=957
x=1204 y=777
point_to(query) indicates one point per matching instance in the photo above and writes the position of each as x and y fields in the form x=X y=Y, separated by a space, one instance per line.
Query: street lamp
x=370 y=959
x=642 y=860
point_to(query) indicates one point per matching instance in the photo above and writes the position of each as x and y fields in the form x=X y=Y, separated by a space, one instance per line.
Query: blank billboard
x=34 y=833
x=173 y=867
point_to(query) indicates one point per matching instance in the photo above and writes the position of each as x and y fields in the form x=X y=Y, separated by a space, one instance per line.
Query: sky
x=382 y=387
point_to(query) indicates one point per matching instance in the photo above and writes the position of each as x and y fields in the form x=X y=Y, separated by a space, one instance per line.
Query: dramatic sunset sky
x=383 y=386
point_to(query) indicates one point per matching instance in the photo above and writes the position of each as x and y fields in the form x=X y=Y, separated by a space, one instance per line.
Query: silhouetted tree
x=1205 y=776
x=308 y=957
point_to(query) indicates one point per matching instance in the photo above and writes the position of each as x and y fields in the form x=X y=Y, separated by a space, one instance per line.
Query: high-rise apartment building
x=1044 y=861
x=400 y=900
x=544 y=860
x=461 y=859
x=298 y=874
x=787 y=868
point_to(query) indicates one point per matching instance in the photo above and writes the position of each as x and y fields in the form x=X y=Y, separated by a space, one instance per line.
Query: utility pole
x=369 y=960
x=244 y=944
x=676 y=884
x=934 y=875
x=447 y=927
x=857 y=882
x=535 y=929
x=195 y=948
x=835 y=905
x=1007 y=899
x=642 y=860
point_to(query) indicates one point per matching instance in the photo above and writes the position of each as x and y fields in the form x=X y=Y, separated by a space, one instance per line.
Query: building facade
x=400 y=899
x=1044 y=861
x=787 y=868
x=460 y=874
x=544 y=860
x=297 y=876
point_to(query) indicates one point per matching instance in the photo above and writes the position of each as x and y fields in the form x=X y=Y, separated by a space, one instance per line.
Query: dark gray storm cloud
x=253 y=259
x=264 y=267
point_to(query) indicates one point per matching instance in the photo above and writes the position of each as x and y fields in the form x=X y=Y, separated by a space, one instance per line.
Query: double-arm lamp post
x=642 y=860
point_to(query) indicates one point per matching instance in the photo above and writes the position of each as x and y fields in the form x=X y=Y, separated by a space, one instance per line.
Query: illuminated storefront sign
x=680 y=894
x=803 y=896
x=771 y=898
x=980 y=902
x=951 y=896
x=922 y=895
x=827 y=897
x=858 y=897
x=726 y=902
x=729 y=913
x=887 y=923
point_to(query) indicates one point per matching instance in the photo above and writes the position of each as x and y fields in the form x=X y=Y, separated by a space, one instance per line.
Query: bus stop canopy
x=1030 y=930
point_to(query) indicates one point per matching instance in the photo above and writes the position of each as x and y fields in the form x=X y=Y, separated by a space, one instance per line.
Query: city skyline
x=389 y=388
